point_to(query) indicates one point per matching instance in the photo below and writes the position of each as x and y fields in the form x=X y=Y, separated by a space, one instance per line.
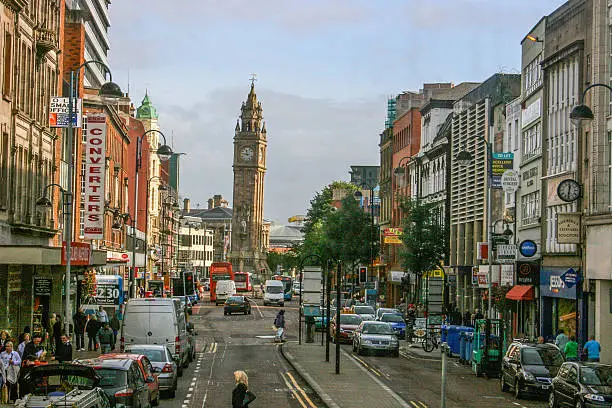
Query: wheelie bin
x=469 y=340
x=462 y=346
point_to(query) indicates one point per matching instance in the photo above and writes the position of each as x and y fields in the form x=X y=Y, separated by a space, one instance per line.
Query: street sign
x=500 y=163
x=528 y=248
x=510 y=181
x=506 y=253
x=570 y=278
x=58 y=112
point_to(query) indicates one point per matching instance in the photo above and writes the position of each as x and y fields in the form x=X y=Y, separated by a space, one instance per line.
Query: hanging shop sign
x=506 y=253
x=570 y=278
x=527 y=273
x=95 y=173
x=552 y=285
x=58 y=112
x=510 y=181
x=42 y=286
x=392 y=235
x=500 y=163
x=568 y=228
x=528 y=248
x=80 y=253
x=507 y=275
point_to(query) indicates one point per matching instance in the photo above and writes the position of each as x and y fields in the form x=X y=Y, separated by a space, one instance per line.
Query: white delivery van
x=157 y=321
x=274 y=293
x=225 y=289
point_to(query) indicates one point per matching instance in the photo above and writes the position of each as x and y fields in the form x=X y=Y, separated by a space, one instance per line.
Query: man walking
x=102 y=315
x=561 y=340
x=80 y=320
x=592 y=348
x=105 y=337
x=64 y=350
x=279 y=324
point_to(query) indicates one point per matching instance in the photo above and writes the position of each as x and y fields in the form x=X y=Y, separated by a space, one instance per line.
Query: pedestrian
x=241 y=396
x=279 y=324
x=11 y=360
x=63 y=352
x=4 y=338
x=592 y=348
x=105 y=337
x=57 y=332
x=561 y=340
x=26 y=330
x=115 y=324
x=52 y=321
x=478 y=314
x=102 y=315
x=92 y=328
x=22 y=345
x=3 y=391
x=571 y=349
x=34 y=350
x=80 y=321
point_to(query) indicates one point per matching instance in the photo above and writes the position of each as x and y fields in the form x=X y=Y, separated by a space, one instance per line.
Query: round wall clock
x=569 y=190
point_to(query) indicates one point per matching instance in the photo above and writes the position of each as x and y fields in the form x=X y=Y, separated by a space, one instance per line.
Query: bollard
x=309 y=329
x=444 y=350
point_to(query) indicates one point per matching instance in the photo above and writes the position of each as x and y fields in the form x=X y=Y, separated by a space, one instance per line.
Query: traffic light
x=363 y=274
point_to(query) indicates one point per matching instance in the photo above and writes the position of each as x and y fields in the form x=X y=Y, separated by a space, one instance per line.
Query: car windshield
x=542 y=356
x=235 y=299
x=387 y=317
x=364 y=310
x=154 y=355
x=112 y=378
x=348 y=319
x=42 y=385
x=377 y=329
x=601 y=375
x=274 y=289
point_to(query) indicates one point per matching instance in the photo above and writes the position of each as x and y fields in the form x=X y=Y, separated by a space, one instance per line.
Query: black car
x=530 y=368
x=237 y=304
x=582 y=385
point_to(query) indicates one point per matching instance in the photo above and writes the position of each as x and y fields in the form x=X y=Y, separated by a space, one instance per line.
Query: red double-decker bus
x=243 y=281
x=219 y=271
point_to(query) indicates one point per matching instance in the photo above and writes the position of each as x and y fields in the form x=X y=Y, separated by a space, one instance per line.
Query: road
x=237 y=342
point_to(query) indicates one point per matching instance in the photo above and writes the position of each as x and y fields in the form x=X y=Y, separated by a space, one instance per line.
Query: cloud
x=311 y=142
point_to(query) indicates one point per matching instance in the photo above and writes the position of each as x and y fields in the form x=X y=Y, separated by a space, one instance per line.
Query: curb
x=414 y=354
x=329 y=402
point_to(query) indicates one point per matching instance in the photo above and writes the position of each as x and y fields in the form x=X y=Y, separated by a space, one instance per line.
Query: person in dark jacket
x=80 y=320
x=92 y=328
x=279 y=323
x=63 y=352
x=34 y=350
x=239 y=392
x=57 y=332
x=115 y=324
x=106 y=338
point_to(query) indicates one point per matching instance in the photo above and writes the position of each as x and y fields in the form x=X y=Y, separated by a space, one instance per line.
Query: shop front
x=524 y=293
x=558 y=300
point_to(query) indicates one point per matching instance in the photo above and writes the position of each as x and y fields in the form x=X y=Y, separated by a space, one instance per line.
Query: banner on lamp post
x=95 y=173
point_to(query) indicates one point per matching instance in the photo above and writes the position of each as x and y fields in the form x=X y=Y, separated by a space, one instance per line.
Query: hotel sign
x=95 y=173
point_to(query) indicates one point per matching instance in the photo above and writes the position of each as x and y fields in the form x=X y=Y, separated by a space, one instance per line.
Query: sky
x=325 y=69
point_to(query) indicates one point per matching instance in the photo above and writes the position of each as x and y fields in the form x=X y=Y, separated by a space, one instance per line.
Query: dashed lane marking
x=312 y=405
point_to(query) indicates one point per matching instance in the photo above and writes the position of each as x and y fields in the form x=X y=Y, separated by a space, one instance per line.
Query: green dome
x=146 y=110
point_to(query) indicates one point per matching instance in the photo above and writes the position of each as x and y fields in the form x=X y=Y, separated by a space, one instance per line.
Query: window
x=531 y=143
x=532 y=75
x=8 y=62
x=530 y=208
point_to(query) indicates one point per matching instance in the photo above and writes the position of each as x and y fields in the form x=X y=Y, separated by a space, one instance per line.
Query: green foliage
x=287 y=260
x=424 y=236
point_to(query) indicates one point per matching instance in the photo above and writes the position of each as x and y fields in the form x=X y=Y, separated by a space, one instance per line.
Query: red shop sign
x=80 y=253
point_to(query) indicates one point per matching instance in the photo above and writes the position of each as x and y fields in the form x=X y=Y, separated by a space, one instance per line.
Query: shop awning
x=520 y=292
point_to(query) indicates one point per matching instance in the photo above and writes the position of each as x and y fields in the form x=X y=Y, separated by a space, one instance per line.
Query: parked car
x=375 y=336
x=61 y=385
x=530 y=368
x=157 y=321
x=583 y=385
x=321 y=321
x=366 y=312
x=237 y=304
x=122 y=380
x=382 y=310
x=163 y=364
x=397 y=323
x=348 y=324
x=297 y=288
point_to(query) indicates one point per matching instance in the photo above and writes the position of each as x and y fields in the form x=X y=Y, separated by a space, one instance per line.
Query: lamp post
x=463 y=159
x=109 y=92
x=358 y=195
x=301 y=290
x=188 y=224
x=164 y=152
x=338 y=283
x=146 y=242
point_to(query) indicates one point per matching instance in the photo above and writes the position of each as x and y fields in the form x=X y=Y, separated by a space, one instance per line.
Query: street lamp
x=463 y=159
x=189 y=224
x=164 y=152
x=582 y=112
x=146 y=243
x=109 y=92
x=358 y=195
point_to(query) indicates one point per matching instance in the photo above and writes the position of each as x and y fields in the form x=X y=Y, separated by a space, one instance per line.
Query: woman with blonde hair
x=241 y=396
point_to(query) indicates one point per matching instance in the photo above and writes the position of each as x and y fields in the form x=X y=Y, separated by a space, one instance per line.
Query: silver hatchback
x=163 y=365
x=377 y=337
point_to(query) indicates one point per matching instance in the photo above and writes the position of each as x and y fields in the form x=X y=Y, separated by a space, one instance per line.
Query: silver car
x=366 y=312
x=163 y=365
x=375 y=336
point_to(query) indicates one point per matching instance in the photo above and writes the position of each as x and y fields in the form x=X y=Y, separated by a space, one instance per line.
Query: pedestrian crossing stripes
x=211 y=348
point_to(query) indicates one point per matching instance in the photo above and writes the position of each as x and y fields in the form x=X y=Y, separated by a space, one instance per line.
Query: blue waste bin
x=469 y=343
x=462 y=346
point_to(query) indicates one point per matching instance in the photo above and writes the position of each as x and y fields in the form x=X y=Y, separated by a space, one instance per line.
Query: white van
x=274 y=293
x=157 y=321
x=225 y=289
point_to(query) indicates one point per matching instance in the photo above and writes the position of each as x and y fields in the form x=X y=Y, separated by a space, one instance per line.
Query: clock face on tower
x=246 y=154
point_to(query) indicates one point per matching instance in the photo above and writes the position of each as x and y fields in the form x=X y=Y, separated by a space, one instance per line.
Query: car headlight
x=594 y=397
x=528 y=376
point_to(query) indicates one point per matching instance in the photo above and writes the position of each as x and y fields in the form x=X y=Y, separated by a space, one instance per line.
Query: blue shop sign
x=528 y=248
x=552 y=284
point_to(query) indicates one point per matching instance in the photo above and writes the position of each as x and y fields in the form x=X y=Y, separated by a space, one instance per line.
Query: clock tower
x=250 y=143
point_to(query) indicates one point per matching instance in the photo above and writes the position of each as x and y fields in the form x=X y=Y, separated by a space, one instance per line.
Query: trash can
x=452 y=339
x=462 y=346
x=469 y=343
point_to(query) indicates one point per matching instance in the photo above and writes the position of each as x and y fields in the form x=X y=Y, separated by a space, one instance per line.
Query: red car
x=348 y=324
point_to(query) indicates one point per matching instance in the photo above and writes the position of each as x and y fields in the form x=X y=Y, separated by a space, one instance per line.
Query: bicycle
x=431 y=342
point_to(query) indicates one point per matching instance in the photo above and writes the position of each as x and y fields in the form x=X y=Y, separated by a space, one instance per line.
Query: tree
x=287 y=260
x=424 y=238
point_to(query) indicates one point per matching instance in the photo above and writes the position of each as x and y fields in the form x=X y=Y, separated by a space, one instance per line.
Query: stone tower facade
x=250 y=143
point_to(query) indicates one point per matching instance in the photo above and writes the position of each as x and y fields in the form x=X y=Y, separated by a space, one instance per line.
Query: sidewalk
x=339 y=390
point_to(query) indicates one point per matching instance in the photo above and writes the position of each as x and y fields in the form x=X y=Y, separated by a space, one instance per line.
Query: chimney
x=217 y=200
x=210 y=204
x=186 y=205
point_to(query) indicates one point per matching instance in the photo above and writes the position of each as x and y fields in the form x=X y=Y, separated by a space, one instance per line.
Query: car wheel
x=579 y=404
x=179 y=371
x=395 y=353
x=552 y=400
x=517 y=389
x=245 y=312
x=172 y=391
x=503 y=385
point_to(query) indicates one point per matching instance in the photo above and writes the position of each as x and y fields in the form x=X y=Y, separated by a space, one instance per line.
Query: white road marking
x=258 y=310
x=190 y=389
x=188 y=396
